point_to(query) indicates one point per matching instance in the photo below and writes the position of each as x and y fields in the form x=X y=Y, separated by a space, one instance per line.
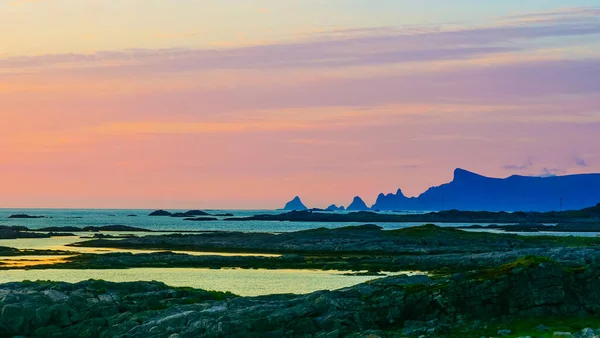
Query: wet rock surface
x=366 y=239
x=403 y=306
x=14 y=232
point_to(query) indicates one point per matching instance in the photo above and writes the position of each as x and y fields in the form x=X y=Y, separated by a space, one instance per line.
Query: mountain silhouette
x=334 y=207
x=357 y=205
x=471 y=191
x=295 y=204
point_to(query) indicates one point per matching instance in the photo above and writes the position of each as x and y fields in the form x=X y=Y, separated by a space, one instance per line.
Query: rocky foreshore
x=14 y=232
x=526 y=296
x=366 y=239
x=360 y=248
x=369 y=264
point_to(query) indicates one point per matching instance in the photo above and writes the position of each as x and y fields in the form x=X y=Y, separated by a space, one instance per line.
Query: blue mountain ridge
x=471 y=191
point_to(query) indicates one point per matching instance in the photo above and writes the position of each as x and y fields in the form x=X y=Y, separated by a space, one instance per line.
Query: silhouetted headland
x=295 y=204
x=470 y=191
x=357 y=205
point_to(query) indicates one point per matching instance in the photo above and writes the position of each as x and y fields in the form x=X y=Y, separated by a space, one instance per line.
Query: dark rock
x=160 y=213
x=190 y=213
x=9 y=232
x=399 y=304
x=429 y=246
x=25 y=216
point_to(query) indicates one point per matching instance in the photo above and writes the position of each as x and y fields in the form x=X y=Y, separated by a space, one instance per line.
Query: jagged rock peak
x=295 y=204
x=334 y=207
x=358 y=204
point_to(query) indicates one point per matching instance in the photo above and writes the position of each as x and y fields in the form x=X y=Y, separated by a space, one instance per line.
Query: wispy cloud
x=524 y=166
x=581 y=14
x=338 y=48
x=551 y=172
x=579 y=161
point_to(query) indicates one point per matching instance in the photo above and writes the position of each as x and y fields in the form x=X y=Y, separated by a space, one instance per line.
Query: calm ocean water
x=243 y=282
x=100 y=217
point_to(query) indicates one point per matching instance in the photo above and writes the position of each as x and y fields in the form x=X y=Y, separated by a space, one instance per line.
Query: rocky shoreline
x=366 y=239
x=537 y=281
x=488 y=302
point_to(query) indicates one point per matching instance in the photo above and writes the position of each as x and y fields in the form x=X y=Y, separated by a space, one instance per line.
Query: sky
x=245 y=104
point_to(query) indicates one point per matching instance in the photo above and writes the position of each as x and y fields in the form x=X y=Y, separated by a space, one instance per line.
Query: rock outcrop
x=14 y=232
x=24 y=216
x=295 y=205
x=428 y=239
x=160 y=213
x=357 y=205
x=191 y=213
x=409 y=306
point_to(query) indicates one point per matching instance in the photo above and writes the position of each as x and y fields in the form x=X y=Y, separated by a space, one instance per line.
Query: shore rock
x=24 y=216
x=532 y=289
x=160 y=213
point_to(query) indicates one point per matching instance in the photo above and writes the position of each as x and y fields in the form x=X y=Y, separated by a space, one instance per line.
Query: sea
x=249 y=282
x=139 y=218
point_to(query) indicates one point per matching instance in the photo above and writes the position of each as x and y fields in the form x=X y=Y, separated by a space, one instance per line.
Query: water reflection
x=60 y=243
x=242 y=282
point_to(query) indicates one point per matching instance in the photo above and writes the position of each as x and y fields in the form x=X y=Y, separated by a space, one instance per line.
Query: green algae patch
x=539 y=327
x=520 y=263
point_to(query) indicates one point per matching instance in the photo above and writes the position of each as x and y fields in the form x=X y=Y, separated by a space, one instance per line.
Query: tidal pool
x=61 y=243
x=25 y=261
x=239 y=281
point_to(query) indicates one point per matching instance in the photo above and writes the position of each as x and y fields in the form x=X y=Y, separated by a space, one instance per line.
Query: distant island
x=25 y=216
x=295 y=205
x=588 y=217
x=357 y=205
x=469 y=191
x=334 y=207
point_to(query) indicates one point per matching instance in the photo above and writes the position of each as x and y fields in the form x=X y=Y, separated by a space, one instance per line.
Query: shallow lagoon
x=239 y=281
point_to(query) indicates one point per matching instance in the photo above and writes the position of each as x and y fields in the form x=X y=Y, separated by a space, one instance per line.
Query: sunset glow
x=230 y=104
